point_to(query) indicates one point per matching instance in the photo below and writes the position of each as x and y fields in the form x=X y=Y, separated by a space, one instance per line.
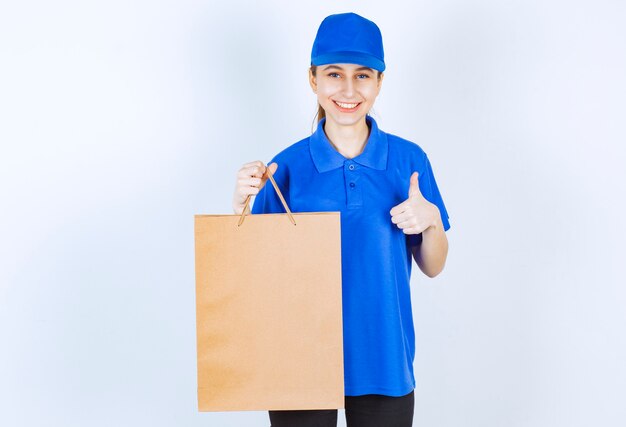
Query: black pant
x=370 y=410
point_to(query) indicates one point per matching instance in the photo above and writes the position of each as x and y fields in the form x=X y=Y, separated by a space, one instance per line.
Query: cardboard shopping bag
x=268 y=311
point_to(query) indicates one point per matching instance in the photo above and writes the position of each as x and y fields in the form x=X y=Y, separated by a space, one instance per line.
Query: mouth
x=347 y=107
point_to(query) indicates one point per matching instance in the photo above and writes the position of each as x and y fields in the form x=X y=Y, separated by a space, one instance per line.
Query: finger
x=398 y=209
x=410 y=227
x=414 y=186
x=408 y=223
x=401 y=217
x=245 y=191
x=415 y=226
x=251 y=171
x=246 y=171
x=272 y=167
x=250 y=166
x=254 y=163
x=252 y=182
x=413 y=230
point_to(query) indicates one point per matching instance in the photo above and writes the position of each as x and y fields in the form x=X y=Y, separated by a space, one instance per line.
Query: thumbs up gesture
x=415 y=214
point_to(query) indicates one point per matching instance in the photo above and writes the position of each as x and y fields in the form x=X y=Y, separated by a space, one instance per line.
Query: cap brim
x=349 y=58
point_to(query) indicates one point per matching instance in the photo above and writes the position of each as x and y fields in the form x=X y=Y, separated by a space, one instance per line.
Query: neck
x=348 y=140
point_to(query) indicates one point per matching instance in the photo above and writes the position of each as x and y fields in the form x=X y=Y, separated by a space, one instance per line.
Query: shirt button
x=352 y=184
x=351 y=167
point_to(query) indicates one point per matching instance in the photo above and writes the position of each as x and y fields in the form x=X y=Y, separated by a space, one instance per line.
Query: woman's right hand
x=250 y=179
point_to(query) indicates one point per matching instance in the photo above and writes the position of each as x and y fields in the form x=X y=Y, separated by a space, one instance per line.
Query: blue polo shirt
x=378 y=333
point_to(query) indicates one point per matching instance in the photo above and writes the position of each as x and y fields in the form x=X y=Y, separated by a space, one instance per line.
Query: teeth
x=342 y=105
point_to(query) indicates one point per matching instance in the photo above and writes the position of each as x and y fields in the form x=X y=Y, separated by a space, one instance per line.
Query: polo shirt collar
x=326 y=158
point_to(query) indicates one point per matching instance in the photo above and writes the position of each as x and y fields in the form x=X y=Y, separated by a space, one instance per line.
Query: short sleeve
x=267 y=200
x=430 y=190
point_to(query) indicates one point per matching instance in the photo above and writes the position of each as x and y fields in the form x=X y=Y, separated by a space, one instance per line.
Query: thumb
x=266 y=175
x=414 y=187
x=272 y=168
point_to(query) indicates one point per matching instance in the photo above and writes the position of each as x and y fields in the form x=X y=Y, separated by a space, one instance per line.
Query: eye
x=333 y=74
x=363 y=75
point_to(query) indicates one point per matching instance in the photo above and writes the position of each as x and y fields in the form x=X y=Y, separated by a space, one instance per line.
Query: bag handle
x=280 y=195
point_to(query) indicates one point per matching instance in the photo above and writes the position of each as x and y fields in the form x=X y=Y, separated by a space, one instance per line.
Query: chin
x=346 y=119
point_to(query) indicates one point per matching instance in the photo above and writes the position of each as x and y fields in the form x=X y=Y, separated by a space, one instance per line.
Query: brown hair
x=320 y=111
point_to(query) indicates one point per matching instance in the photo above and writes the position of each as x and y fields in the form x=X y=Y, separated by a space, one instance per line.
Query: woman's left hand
x=415 y=214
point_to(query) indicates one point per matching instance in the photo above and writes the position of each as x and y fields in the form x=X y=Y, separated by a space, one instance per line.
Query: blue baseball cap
x=348 y=38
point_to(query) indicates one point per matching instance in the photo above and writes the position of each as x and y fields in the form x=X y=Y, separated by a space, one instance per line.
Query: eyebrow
x=339 y=68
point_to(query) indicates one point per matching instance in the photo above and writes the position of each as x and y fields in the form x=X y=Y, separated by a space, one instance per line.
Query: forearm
x=431 y=254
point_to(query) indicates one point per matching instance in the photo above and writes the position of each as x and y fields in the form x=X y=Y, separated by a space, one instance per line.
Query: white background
x=121 y=120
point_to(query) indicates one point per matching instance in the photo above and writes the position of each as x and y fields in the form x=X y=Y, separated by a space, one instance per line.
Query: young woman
x=391 y=212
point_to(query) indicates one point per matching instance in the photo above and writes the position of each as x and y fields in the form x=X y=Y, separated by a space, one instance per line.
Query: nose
x=348 y=88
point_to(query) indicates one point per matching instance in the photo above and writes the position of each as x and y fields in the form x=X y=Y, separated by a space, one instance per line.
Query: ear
x=312 y=81
x=380 y=83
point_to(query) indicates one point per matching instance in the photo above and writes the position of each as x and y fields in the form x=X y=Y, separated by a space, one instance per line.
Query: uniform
x=379 y=338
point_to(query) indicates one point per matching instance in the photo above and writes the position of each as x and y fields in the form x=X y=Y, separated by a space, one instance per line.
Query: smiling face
x=346 y=92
